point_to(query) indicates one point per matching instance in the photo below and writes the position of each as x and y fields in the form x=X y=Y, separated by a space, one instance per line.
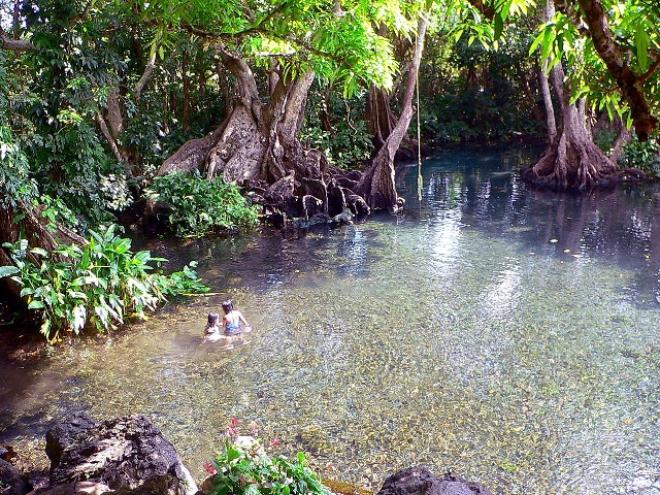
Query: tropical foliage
x=244 y=468
x=198 y=206
x=97 y=285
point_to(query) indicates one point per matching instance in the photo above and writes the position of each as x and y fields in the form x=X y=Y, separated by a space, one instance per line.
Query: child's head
x=228 y=306
x=213 y=319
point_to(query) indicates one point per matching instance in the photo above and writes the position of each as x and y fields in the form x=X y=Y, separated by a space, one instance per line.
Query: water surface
x=505 y=334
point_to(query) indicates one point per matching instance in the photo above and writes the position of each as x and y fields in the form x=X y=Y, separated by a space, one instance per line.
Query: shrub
x=642 y=155
x=348 y=147
x=243 y=468
x=98 y=284
x=199 y=206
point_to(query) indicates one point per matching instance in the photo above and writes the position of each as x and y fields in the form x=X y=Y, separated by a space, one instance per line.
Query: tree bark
x=185 y=114
x=622 y=139
x=377 y=185
x=551 y=124
x=572 y=161
x=16 y=19
x=380 y=118
x=146 y=75
x=557 y=82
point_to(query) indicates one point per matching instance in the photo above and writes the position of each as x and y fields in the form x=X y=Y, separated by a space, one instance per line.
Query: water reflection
x=620 y=226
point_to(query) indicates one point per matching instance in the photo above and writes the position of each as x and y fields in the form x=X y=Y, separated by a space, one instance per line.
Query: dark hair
x=213 y=319
x=228 y=306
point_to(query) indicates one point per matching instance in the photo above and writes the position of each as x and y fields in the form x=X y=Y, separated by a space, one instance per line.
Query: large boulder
x=420 y=481
x=11 y=481
x=128 y=455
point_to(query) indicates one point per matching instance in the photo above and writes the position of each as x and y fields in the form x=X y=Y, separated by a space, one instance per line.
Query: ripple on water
x=439 y=340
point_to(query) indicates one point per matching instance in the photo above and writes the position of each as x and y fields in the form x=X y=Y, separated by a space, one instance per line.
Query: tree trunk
x=572 y=161
x=621 y=140
x=549 y=13
x=377 y=185
x=257 y=147
x=551 y=124
x=185 y=115
x=380 y=118
x=630 y=84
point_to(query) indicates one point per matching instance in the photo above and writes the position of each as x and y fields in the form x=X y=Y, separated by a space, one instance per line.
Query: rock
x=11 y=481
x=420 y=481
x=74 y=488
x=63 y=434
x=129 y=455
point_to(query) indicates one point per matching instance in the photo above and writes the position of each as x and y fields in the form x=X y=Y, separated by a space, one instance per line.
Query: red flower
x=232 y=431
x=276 y=442
x=210 y=468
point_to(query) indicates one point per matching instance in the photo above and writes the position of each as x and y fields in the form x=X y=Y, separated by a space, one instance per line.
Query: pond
x=508 y=335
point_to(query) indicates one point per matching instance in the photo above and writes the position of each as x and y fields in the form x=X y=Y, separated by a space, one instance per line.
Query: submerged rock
x=126 y=456
x=420 y=481
x=11 y=481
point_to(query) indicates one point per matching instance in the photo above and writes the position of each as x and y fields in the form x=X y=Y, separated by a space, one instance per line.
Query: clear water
x=508 y=335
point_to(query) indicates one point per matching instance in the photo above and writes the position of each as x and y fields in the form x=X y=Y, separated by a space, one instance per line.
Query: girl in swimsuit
x=213 y=332
x=232 y=320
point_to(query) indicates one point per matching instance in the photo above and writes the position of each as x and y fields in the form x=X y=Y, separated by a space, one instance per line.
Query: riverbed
x=508 y=335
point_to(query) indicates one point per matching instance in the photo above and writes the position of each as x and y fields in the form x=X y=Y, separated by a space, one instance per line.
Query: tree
x=572 y=160
x=257 y=145
x=377 y=184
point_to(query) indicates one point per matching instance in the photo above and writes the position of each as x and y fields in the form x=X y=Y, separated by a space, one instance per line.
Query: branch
x=259 y=30
x=108 y=137
x=611 y=53
x=487 y=10
x=146 y=75
x=9 y=43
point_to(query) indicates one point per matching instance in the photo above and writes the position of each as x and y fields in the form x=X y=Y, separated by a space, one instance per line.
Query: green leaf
x=8 y=271
x=36 y=305
x=536 y=43
x=548 y=38
x=499 y=26
x=642 y=47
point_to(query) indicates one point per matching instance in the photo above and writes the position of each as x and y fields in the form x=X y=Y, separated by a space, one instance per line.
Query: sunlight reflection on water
x=460 y=337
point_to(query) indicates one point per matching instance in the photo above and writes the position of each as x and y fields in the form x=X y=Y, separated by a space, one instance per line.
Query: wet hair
x=213 y=319
x=228 y=306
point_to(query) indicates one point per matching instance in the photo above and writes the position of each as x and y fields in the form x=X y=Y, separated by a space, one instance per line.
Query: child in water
x=233 y=319
x=212 y=332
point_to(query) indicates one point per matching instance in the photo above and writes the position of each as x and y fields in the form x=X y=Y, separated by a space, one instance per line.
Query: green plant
x=244 y=468
x=347 y=147
x=199 y=206
x=98 y=284
x=642 y=155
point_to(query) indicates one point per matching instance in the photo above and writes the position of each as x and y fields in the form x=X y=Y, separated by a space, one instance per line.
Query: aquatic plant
x=199 y=206
x=244 y=468
x=97 y=284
